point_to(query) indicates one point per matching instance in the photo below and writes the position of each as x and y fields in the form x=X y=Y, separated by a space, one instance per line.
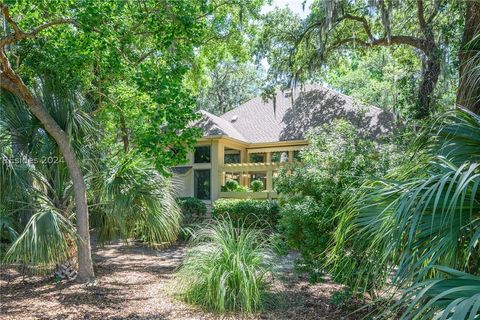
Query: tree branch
x=364 y=22
x=408 y=40
x=421 y=17
x=19 y=35
x=436 y=9
x=8 y=18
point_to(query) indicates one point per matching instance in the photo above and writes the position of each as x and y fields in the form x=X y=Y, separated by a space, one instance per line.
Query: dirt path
x=134 y=282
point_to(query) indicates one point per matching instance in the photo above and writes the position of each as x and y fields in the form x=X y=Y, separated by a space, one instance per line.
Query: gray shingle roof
x=211 y=125
x=295 y=113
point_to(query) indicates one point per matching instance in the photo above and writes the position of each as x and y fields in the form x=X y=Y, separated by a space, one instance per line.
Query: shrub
x=225 y=268
x=231 y=185
x=241 y=188
x=307 y=227
x=256 y=185
x=262 y=213
x=336 y=161
x=193 y=209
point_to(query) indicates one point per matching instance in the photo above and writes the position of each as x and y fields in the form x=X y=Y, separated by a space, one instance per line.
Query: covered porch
x=260 y=164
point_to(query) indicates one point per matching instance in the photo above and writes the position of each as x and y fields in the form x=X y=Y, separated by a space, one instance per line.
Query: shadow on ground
x=135 y=282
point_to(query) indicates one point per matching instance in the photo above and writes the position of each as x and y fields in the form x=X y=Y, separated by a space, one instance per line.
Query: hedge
x=193 y=209
x=261 y=213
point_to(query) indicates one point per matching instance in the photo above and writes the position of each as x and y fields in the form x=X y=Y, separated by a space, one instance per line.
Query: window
x=202 y=154
x=276 y=156
x=231 y=156
x=202 y=184
x=297 y=156
x=257 y=157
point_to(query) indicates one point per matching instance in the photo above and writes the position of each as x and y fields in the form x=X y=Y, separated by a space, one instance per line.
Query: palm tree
x=130 y=198
x=423 y=216
x=135 y=202
x=33 y=163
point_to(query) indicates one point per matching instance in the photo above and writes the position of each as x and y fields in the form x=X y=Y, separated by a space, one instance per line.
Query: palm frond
x=425 y=213
x=46 y=241
x=454 y=296
x=459 y=137
x=8 y=230
x=137 y=202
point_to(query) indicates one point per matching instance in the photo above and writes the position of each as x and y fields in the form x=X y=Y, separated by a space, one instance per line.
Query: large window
x=202 y=184
x=257 y=157
x=202 y=154
x=231 y=156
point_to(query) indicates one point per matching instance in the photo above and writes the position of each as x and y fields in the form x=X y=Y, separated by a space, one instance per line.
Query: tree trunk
x=125 y=136
x=430 y=74
x=85 y=265
x=468 y=95
x=13 y=83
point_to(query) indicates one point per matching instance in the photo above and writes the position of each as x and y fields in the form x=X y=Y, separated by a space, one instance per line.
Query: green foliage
x=8 y=229
x=192 y=209
x=454 y=297
x=137 y=63
x=259 y=213
x=256 y=185
x=225 y=267
x=231 y=185
x=241 y=188
x=231 y=84
x=424 y=214
x=136 y=203
x=387 y=79
x=307 y=227
x=341 y=297
x=335 y=162
x=36 y=204
x=129 y=198
x=47 y=240
x=333 y=45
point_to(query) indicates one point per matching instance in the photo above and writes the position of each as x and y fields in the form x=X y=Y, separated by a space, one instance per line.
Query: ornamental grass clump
x=225 y=268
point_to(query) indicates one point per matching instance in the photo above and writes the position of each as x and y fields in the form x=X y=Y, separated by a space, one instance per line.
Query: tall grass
x=225 y=267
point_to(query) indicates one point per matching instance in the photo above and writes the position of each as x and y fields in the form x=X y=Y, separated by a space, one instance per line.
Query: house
x=252 y=141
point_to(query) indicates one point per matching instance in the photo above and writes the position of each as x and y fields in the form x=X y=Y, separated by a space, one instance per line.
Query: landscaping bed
x=135 y=282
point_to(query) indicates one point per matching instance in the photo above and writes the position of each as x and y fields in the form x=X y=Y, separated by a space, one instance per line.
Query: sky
x=294 y=5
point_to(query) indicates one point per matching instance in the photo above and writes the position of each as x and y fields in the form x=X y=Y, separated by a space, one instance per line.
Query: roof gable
x=211 y=125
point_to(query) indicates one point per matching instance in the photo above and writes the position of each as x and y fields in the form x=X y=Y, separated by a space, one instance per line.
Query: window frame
x=199 y=156
x=195 y=188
